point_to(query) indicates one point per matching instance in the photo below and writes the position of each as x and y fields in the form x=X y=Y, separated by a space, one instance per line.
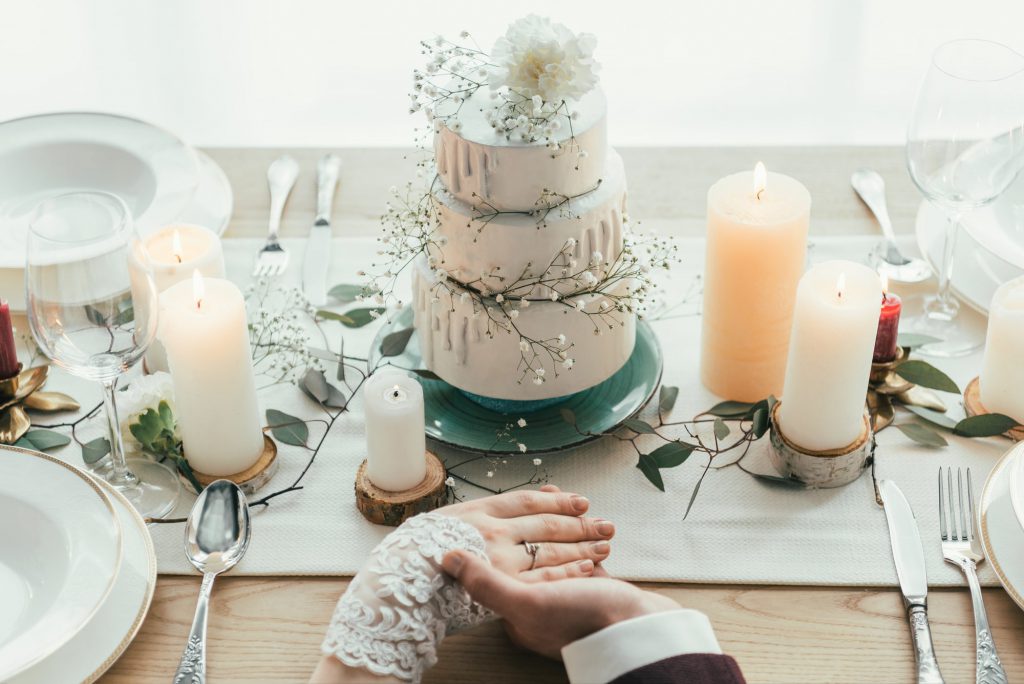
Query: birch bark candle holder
x=382 y=507
x=820 y=469
x=974 y=407
x=249 y=480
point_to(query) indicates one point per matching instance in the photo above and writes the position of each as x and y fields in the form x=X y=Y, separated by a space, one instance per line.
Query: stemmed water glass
x=94 y=316
x=965 y=146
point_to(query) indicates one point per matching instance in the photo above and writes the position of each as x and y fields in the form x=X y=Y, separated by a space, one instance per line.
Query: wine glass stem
x=120 y=476
x=945 y=303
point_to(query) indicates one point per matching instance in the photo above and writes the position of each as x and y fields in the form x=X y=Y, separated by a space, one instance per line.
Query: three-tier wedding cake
x=526 y=286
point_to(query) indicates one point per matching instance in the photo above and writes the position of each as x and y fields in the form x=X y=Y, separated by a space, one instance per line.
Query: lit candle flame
x=176 y=249
x=198 y=288
x=885 y=284
x=841 y=286
x=760 y=179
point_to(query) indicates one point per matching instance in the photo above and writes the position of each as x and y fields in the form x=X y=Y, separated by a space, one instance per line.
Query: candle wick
x=758 y=194
x=178 y=257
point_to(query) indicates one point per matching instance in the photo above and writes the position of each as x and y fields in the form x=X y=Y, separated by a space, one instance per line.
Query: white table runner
x=741 y=530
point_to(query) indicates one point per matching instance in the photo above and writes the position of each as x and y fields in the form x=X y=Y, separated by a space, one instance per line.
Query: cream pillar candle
x=203 y=327
x=756 y=248
x=834 y=324
x=1002 y=368
x=174 y=252
x=395 y=432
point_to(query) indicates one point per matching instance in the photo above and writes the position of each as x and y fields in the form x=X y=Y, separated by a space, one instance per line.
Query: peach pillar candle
x=756 y=248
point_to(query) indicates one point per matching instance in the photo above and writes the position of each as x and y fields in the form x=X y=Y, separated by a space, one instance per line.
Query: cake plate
x=454 y=420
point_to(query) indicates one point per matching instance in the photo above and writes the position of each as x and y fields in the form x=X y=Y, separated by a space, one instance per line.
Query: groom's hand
x=545 y=617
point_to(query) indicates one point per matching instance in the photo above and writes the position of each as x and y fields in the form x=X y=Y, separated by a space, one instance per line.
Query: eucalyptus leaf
x=730 y=409
x=761 y=422
x=639 y=426
x=693 y=497
x=933 y=417
x=340 y=374
x=667 y=398
x=185 y=469
x=314 y=384
x=985 y=425
x=426 y=375
x=568 y=416
x=322 y=354
x=671 y=455
x=42 y=440
x=926 y=375
x=95 y=450
x=335 y=398
x=912 y=340
x=650 y=470
x=346 y=292
x=922 y=435
x=396 y=342
x=721 y=429
x=353 y=318
x=287 y=429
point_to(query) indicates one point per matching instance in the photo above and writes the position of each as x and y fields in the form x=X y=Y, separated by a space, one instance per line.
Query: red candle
x=8 y=352
x=888 y=327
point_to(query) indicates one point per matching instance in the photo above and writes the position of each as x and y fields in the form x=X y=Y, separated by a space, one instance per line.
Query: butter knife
x=318 y=247
x=908 y=555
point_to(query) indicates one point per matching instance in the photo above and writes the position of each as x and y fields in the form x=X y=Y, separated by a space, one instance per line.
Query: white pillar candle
x=205 y=332
x=395 y=433
x=1002 y=368
x=174 y=253
x=830 y=348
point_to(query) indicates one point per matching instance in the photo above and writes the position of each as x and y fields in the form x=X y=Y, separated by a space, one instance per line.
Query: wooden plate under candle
x=382 y=507
x=974 y=407
x=249 y=480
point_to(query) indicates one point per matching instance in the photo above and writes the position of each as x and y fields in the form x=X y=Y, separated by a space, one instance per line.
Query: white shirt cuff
x=631 y=644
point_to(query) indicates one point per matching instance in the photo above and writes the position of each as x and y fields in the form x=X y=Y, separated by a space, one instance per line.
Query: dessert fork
x=960 y=546
x=272 y=260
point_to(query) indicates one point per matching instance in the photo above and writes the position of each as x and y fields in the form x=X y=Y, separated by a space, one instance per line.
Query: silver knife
x=908 y=554
x=318 y=246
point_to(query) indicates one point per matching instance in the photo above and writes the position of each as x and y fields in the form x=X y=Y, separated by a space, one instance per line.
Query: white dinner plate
x=1001 y=532
x=999 y=227
x=94 y=649
x=153 y=171
x=60 y=550
x=1017 y=489
x=977 y=271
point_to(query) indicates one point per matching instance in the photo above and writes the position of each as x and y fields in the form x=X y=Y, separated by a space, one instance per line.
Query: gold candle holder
x=249 y=480
x=382 y=507
x=974 y=407
x=820 y=469
x=21 y=392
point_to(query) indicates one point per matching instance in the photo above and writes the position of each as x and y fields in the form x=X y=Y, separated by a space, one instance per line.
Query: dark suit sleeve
x=692 y=668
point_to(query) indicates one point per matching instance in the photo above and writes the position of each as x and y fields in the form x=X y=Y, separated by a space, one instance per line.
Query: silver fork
x=272 y=260
x=960 y=546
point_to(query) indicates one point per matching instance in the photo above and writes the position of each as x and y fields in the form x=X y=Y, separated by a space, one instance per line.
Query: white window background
x=337 y=72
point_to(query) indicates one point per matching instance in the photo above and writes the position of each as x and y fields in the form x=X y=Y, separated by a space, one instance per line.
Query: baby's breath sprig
x=279 y=321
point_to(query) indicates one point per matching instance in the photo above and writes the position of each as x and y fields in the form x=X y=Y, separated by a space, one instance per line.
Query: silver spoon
x=887 y=258
x=216 y=537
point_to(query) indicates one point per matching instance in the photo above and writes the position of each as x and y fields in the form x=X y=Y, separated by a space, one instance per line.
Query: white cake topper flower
x=536 y=57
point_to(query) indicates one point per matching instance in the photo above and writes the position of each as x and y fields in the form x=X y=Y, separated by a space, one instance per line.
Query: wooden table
x=269 y=629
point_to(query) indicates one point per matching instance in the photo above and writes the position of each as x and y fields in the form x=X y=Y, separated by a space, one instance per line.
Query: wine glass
x=965 y=145
x=94 y=317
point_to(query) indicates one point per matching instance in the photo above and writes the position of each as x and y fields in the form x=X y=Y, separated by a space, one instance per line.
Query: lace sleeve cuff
x=400 y=606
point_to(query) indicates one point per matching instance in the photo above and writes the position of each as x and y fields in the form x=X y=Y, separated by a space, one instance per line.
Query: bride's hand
x=569 y=544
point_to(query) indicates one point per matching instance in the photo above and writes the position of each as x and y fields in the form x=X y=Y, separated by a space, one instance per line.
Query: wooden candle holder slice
x=250 y=480
x=382 y=507
x=820 y=469
x=974 y=407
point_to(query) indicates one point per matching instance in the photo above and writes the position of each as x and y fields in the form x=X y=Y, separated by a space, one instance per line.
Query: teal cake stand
x=457 y=421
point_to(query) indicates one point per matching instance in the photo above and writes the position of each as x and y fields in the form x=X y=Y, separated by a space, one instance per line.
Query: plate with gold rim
x=108 y=634
x=60 y=552
x=456 y=421
x=1002 y=535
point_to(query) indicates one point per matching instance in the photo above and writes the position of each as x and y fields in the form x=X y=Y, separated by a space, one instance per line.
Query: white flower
x=561 y=338
x=450 y=482
x=490 y=473
x=538 y=380
x=521 y=422
x=568 y=363
x=500 y=298
x=596 y=257
x=579 y=304
x=522 y=447
x=524 y=346
x=570 y=243
x=537 y=461
x=524 y=304
x=588 y=278
x=554 y=296
x=145 y=392
x=540 y=372
x=513 y=314
x=538 y=57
